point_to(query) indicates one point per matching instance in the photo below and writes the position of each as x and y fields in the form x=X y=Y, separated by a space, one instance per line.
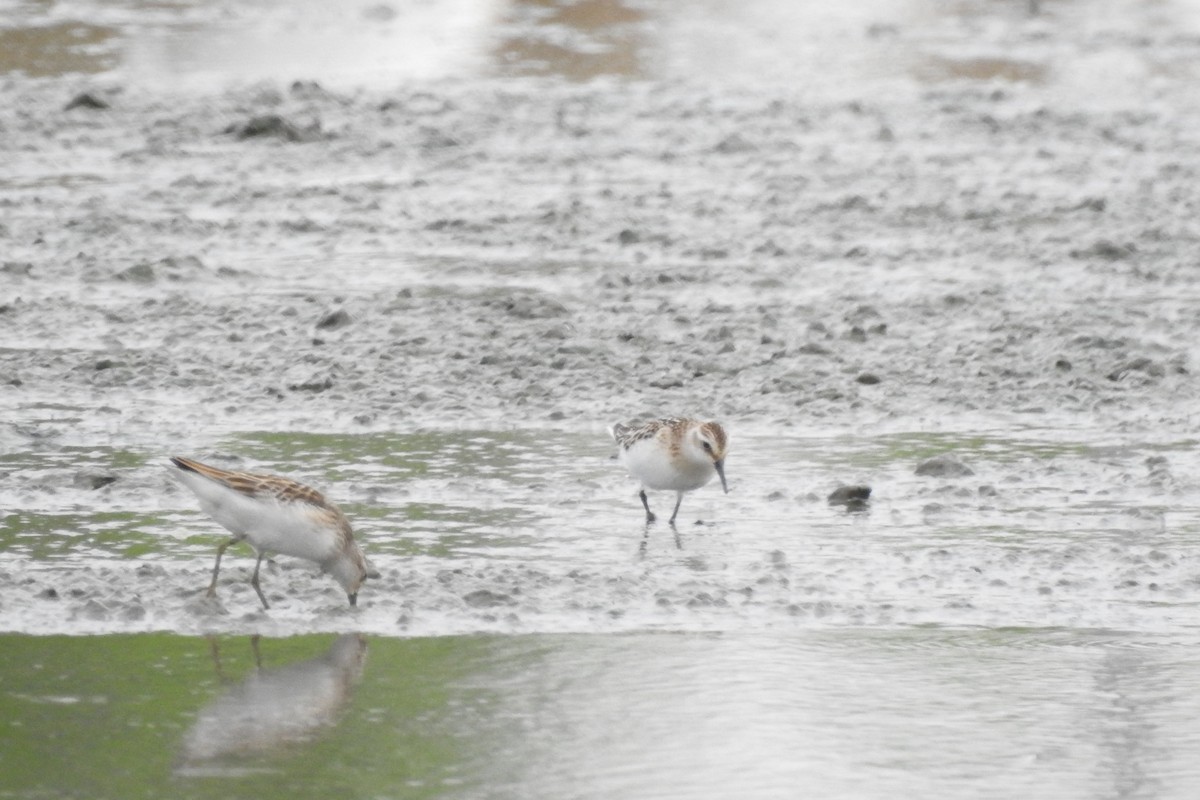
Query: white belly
x=653 y=466
x=289 y=529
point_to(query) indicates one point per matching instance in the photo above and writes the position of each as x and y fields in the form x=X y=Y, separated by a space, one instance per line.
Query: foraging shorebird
x=277 y=515
x=675 y=454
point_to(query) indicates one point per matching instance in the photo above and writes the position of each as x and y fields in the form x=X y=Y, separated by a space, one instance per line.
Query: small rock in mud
x=205 y=606
x=49 y=593
x=854 y=497
x=93 y=610
x=1106 y=250
x=18 y=269
x=944 y=466
x=735 y=143
x=301 y=379
x=334 y=320
x=868 y=379
x=1160 y=470
x=133 y=612
x=88 y=100
x=529 y=306
x=171 y=268
x=1144 y=365
x=274 y=125
x=486 y=598
x=93 y=479
x=138 y=273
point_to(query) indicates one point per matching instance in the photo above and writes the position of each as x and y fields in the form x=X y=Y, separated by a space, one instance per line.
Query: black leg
x=212 y=587
x=675 y=513
x=254 y=582
x=646 y=505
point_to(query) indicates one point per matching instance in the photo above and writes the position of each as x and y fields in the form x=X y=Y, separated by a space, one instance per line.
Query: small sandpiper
x=277 y=515
x=675 y=454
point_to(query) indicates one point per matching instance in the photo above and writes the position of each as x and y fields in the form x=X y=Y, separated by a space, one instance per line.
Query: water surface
x=864 y=714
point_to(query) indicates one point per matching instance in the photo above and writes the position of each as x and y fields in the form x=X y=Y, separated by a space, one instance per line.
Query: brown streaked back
x=285 y=490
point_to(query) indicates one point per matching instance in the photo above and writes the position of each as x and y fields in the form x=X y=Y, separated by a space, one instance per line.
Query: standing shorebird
x=674 y=454
x=277 y=515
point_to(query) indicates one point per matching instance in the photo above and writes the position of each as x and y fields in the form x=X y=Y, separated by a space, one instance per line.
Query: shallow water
x=846 y=713
x=883 y=43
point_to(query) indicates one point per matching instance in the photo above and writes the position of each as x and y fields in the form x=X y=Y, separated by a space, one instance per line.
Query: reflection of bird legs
x=644 y=544
x=214 y=650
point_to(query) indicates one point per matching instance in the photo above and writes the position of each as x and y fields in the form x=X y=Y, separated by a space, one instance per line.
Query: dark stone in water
x=90 y=479
x=854 y=497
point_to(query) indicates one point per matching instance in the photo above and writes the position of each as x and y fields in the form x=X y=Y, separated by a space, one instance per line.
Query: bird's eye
x=707 y=447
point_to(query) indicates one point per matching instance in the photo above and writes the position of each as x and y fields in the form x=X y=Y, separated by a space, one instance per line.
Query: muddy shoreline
x=520 y=254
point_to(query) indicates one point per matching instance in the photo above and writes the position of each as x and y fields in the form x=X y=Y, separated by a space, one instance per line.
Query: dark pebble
x=274 y=126
x=853 y=497
x=334 y=320
x=1106 y=250
x=89 y=479
x=86 y=100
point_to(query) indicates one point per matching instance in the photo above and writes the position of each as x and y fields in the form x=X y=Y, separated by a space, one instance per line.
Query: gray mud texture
x=517 y=253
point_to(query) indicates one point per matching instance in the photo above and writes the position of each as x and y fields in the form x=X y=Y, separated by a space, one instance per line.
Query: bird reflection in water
x=272 y=709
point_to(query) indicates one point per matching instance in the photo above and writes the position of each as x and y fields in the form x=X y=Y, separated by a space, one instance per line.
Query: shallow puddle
x=191 y=45
x=849 y=713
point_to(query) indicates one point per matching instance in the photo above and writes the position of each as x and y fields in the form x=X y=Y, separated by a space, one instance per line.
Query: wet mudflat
x=861 y=239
